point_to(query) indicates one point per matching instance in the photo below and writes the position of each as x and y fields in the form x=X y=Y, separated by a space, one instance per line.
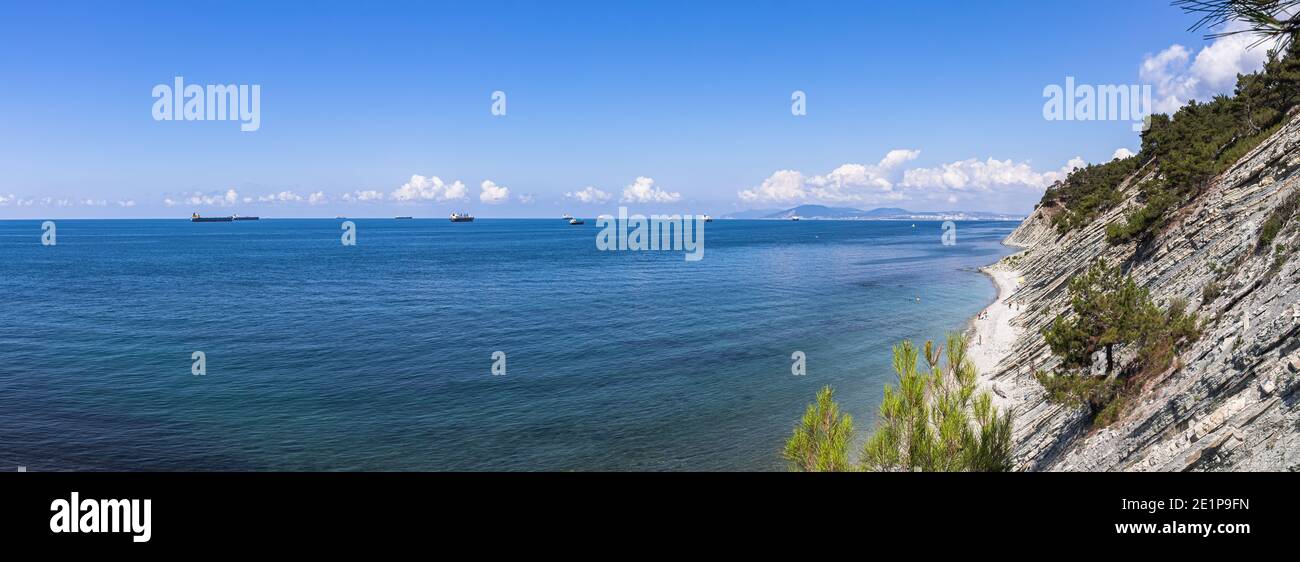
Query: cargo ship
x=462 y=217
x=239 y=218
x=196 y=218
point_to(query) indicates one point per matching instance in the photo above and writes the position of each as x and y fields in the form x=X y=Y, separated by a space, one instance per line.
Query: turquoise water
x=379 y=356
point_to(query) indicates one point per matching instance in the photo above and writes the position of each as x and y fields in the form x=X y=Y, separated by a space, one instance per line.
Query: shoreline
x=990 y=334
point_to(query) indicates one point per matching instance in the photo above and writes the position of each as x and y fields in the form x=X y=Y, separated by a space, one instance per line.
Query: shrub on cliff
x=1110 y=310
x=1088 y=192
x=1277 y=219
x=1165 y=333
x=1211 y=292
x=1094 y=392
x=934 y=421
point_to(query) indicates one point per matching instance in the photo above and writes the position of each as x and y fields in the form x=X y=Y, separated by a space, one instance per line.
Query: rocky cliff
x=1230 y=402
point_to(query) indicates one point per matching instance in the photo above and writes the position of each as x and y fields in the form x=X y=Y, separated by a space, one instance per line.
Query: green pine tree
x=1109 y=310
x=821 y=441
x=936 y=420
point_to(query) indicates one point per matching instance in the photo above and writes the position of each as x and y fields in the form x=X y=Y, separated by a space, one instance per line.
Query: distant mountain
x=817 y=211
x=822 y=212
x=887 y=212
x=754 y=214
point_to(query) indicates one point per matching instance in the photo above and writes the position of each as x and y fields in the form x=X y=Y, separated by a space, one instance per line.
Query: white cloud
x=491 y=193
x=231 y=198
x=94 y=202
x=1177 y=78
x=985 y=176
x=281 y=197
x=199 y=198
x=897 y=157
x=11 y=199
x=527 y=198
x=852 y=175
x=127 y=203
x=432 y=188
x=783 y=185
x=644 y=190
x=849 y=182
x=1122 y=153
x=456 y=190
x=363 y=195
x=981 y=184
x=1161 y=72
x=588 y=194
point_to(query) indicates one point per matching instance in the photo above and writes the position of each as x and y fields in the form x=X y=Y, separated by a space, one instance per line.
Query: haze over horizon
x=674 y=107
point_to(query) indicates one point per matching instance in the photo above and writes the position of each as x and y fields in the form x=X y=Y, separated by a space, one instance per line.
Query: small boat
x=198 y=218
x=708 y=218
x=340 y=217
x=574 y=221
x=566 y=216
x=794 y=217
x=403 y=218
x=462 y=217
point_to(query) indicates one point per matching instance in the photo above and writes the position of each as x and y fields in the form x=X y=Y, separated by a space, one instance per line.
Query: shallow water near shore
x=379 y=356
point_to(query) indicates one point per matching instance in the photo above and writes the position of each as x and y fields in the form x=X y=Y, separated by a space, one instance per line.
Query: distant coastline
x=956 y=217
x=822 y=212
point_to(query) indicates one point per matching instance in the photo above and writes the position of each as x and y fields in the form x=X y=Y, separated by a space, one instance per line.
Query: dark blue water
x=379 y=356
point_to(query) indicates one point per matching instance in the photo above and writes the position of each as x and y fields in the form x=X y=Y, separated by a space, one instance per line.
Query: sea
x=496 y=345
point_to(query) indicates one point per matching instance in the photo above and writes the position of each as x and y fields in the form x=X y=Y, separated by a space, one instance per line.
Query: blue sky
x=659 y=105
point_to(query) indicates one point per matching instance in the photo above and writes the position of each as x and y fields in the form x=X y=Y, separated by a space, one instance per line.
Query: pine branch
x=1269 y=19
